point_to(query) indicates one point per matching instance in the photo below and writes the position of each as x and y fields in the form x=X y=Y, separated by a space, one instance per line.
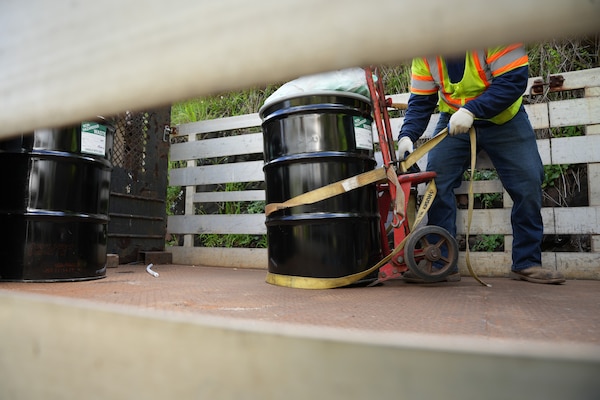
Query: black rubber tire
x=421 y=252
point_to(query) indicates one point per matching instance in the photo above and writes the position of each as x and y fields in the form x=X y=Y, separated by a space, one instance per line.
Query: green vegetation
x=396 y=79
x=220 y=106
x=552 y=173
x=234 y=240
x=488 y=243
x=556 y=56
x=237 y=207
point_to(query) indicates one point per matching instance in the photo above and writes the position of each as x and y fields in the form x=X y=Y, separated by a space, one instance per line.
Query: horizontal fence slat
x=242 y=195
x=497 y=263
x=557 y=220
x=219 y=147
x=568 y=150
x=219 y=124
x=250 y=171
x=232 y=257
x=396 y=124
x=572 y=220
x=486 y=264
x=491 y=186
x=575 y=150
x=573 y=79
x=252 y=224
x=582 y=149
x=571 y=150
x=574 y=112
x=544 y=150
x=563 y=113
x=491 y=221
x=538 y=115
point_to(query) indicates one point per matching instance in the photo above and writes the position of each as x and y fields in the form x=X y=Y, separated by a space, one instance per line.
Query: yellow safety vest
x=430 y=75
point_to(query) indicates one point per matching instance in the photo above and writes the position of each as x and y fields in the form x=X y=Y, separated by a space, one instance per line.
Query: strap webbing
x=422 y=150
x=473 y=137
x=331 y=190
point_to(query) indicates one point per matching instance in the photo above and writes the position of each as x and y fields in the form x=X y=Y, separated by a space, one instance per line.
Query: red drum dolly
x=429 y=251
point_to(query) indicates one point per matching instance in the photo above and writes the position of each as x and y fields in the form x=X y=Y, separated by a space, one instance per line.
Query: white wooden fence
x=584 y=220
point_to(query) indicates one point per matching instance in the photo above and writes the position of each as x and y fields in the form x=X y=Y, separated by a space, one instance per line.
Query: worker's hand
x=405 y=145
x=460 y=121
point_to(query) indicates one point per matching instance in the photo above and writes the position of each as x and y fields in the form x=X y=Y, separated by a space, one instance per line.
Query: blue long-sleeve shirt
x=503 y=91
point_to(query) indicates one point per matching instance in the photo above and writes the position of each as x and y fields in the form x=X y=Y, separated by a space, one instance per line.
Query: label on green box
x=93 y=138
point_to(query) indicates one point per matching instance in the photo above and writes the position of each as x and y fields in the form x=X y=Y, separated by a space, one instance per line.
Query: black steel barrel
x=54 y=203
x=312 y=140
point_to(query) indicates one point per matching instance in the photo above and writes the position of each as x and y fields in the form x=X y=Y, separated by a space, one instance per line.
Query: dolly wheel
x=431 y=253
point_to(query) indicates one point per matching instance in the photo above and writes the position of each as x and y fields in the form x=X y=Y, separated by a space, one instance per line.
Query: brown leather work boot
x=537 y=274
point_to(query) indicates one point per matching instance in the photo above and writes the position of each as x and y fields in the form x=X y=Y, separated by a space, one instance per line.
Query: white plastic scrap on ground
x=149 y=270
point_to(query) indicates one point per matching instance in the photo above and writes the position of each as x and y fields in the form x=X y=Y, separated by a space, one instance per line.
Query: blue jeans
x=513 y=151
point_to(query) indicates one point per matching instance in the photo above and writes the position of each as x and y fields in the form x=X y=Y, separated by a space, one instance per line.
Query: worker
x=481 y=89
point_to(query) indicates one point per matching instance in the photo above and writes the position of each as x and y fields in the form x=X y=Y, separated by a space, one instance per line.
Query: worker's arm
x=418 y=113
x=503 y=92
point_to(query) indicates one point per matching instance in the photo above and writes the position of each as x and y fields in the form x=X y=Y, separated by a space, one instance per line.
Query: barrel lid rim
x=269 y=103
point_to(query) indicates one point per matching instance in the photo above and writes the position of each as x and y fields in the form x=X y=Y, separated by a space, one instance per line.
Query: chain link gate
x=138 y=186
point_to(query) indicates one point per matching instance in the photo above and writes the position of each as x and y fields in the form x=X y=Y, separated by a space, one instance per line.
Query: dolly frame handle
x=380 y=115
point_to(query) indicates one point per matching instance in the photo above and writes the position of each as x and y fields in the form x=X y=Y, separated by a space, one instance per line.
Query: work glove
x=405 y=145
x=460 y=121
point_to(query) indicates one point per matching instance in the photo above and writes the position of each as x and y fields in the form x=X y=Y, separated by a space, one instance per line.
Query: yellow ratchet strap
x=473 y=137
x=331 y=190
x=422 y=150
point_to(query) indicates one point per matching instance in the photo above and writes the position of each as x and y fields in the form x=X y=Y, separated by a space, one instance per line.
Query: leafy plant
x=233 y=240
x=552 y=173
x=396 y=79
x=174 y=195
x=221 y=105
x=562 y=55
x=568 y=131
x=487 y=200
x=488 y=243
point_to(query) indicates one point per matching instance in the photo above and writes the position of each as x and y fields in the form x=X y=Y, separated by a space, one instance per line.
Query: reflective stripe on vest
x=422 y=83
